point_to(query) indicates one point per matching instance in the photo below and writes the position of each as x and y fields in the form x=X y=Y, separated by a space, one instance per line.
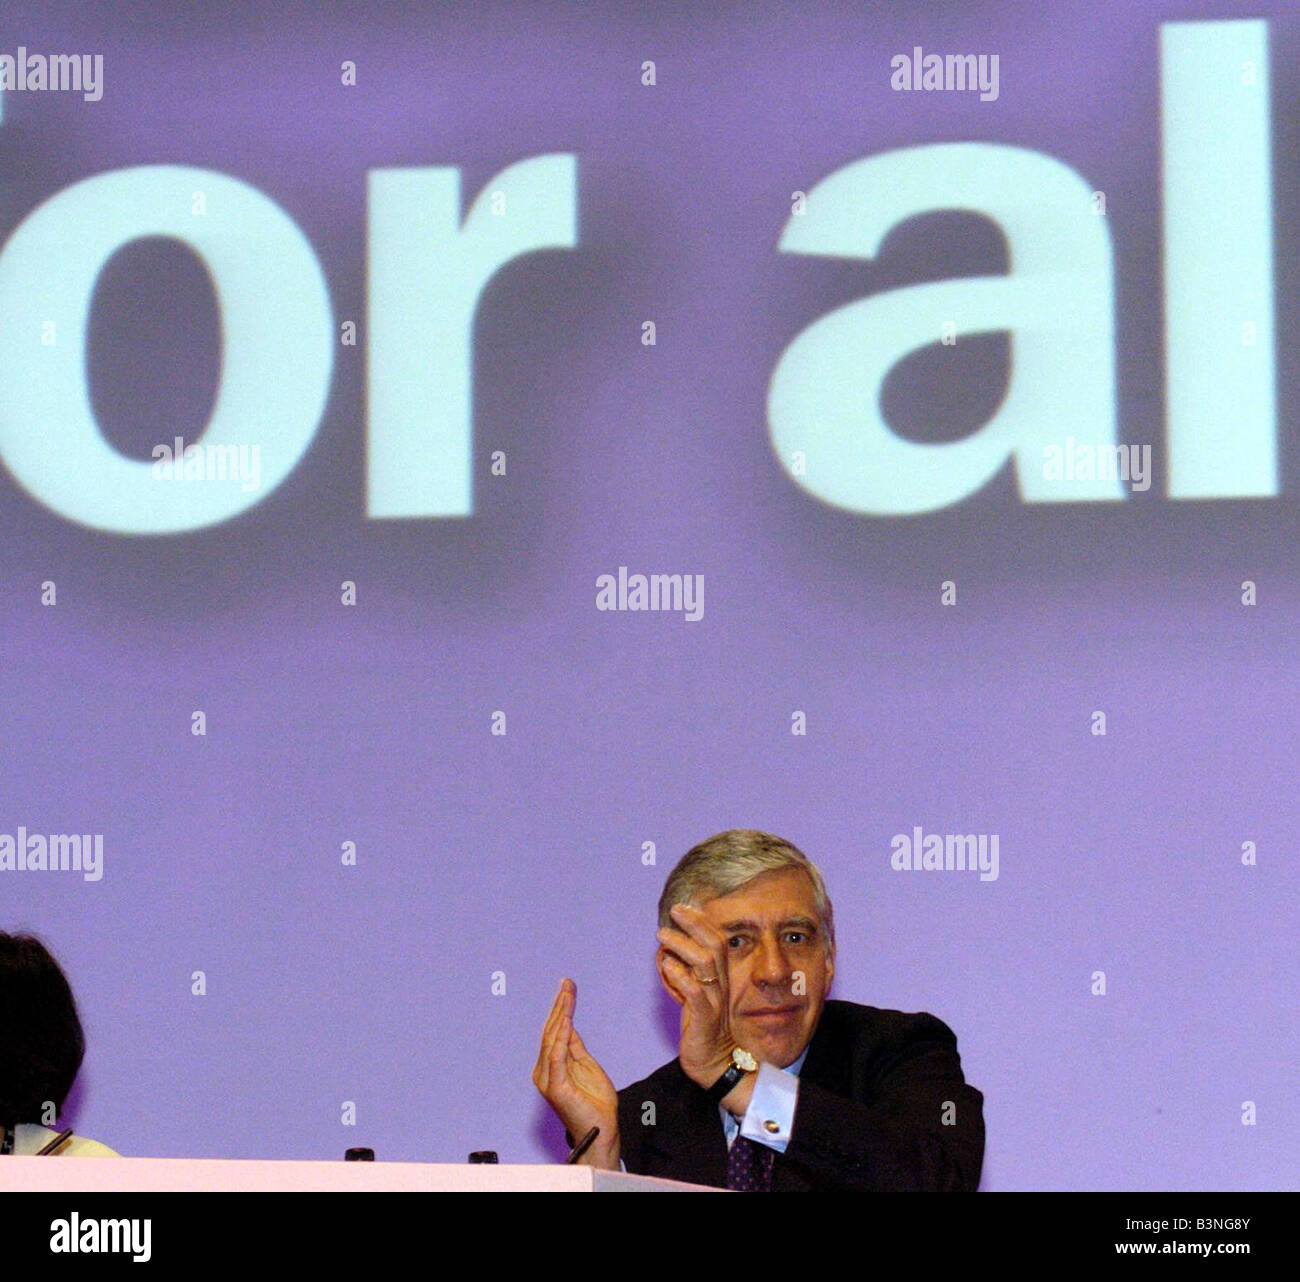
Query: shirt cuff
x=769 y=1119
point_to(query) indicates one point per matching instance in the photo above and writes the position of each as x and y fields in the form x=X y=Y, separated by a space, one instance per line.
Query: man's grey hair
x=732 y=859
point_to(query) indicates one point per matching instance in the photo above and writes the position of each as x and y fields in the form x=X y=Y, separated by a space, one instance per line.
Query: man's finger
x=551 y=1031
x=695 y=955
x=660 y=957
x=565 y=1003
x=542 y=1070
x=560 y=1046
x=553 y=1015
x=694 y=923
x=578 y=1049
x=684 y=978
x=543 y=1056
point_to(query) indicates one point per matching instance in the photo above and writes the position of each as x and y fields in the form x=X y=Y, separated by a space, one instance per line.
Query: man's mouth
x=774 y=1013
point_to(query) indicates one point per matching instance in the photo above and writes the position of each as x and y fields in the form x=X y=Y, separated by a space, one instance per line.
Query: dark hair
x=41 y=1042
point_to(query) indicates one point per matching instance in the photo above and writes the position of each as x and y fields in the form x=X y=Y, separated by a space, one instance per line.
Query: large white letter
x=277 y=350
x=1057 y=301
x=426 y=274
x=1219 y=338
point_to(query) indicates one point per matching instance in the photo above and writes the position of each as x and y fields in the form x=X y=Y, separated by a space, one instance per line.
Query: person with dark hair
x=41 y=1048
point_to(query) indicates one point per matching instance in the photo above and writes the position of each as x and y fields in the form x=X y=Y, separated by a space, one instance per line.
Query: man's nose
x=771 y=966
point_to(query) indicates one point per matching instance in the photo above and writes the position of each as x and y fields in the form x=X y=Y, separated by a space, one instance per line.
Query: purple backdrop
x=522 y=854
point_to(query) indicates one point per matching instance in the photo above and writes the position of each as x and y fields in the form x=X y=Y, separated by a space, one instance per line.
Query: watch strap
x=725 y=1084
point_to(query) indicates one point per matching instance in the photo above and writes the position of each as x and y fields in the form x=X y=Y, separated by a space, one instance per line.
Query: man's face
x=778 y=965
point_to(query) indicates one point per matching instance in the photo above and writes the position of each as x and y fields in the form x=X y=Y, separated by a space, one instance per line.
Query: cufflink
x=771 y=1127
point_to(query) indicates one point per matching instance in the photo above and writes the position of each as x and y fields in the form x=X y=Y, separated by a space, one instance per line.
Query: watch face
x=743 y=1059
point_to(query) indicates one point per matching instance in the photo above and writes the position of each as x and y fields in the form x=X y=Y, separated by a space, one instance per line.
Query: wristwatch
x=742 y=1062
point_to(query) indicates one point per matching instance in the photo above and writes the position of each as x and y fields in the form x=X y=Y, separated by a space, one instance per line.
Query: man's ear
x=830 y=967
x=678 y=997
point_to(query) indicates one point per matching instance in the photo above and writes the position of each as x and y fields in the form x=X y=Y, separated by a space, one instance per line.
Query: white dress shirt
x=769 y=1119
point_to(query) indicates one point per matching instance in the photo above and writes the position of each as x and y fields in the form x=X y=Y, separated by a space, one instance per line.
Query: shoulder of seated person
x=29 y=1139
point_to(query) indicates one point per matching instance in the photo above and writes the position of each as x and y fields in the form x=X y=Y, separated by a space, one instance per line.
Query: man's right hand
x=574 y=1085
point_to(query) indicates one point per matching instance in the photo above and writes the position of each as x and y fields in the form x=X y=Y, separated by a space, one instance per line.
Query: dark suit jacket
x=874 y=1096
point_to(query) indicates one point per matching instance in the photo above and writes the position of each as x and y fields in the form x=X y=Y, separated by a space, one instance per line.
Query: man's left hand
x=692 y=960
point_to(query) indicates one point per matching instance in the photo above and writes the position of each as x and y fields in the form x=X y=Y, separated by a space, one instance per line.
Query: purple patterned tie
x=749 y=1166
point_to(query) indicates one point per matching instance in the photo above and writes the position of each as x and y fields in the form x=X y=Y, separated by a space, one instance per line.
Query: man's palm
x=593 y=1097
x=574 y=1084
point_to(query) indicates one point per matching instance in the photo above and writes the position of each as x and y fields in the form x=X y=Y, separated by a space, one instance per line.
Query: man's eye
x=736 y=941
x=796 y=936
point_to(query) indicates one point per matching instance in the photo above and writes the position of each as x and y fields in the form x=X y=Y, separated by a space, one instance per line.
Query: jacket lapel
x=826 y=1066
